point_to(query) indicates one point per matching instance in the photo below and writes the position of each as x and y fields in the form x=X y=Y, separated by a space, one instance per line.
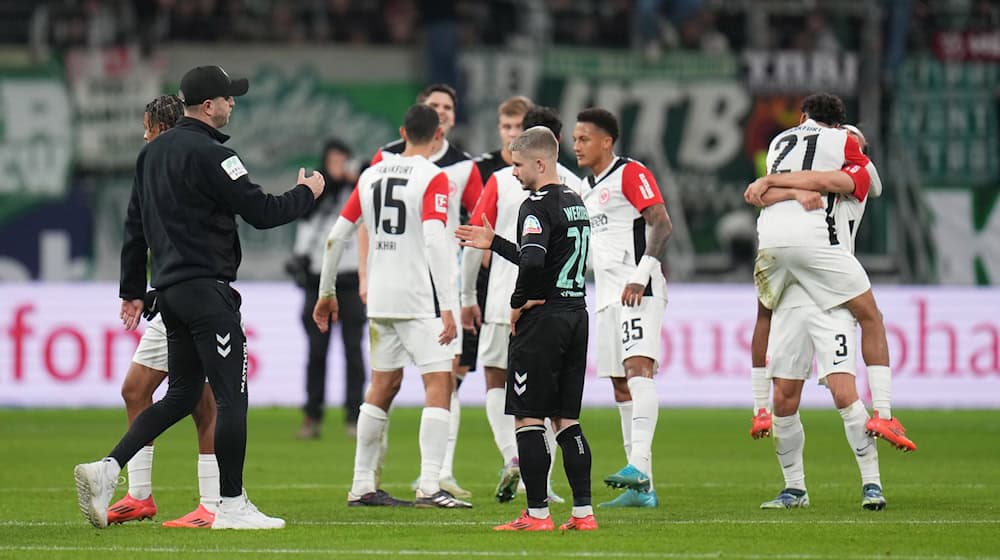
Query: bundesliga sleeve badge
x=531 y=226
x=234 y=167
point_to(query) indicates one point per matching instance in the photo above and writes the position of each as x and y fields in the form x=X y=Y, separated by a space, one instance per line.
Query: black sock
x=534 y=458
x=576 y=462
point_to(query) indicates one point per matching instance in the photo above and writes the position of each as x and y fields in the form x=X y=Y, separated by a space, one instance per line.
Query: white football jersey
x=615 y=201
x=465 y=185
x=501 y=201
x=808 y=146
x=394 y=197
x=464 y=182
x=847 y=219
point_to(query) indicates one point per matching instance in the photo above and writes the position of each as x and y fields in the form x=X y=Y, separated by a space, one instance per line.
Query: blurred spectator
x=898 y=14
x=440 y=23
x=400 y=21
x=815 y=34
x=699 y=33
x=304 y=267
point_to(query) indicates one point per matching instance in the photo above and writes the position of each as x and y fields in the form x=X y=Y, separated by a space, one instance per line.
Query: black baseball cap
x=209 y=82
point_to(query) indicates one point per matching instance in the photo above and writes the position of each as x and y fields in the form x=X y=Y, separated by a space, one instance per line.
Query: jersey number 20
x=578 y=260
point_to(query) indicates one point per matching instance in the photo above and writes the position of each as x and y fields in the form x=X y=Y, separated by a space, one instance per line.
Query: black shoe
x=442 y=499
x=376 y=498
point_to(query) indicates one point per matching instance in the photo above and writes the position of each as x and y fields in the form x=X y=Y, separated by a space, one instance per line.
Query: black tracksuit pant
x=352 y=317
x=205 y=339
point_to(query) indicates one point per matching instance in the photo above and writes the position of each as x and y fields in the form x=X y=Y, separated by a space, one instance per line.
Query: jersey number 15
x=386 y=188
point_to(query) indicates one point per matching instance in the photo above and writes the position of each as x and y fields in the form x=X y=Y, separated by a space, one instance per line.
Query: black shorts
x=470 y=341
x=547 y=364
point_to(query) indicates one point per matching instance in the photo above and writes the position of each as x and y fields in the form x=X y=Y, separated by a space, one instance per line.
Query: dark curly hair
x=165 y=111
x=825 y=108
x=543 y=116
x=602 y=119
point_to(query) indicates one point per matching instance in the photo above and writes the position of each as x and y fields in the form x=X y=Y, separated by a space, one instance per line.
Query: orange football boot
x=588 y=523
x=200 y=518
x=760 y=426
x=527 y=523
x=890 y=430
x=131 y=509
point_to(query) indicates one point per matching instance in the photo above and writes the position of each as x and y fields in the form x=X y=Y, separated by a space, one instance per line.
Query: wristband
x=643 y=270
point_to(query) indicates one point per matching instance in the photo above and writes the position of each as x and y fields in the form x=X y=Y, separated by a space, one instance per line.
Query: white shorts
x=830 y=275
x=397 y=342
x=800 y=333
x=456 y=345
x=494 y=341
x=625 y=332
x=152 y=349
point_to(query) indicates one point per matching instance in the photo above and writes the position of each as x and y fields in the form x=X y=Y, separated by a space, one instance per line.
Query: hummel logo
x=520 y=382
x=837 y=363
x=223 y=347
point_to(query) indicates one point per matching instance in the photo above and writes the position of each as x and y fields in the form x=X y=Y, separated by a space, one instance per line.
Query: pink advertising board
x=61 y=345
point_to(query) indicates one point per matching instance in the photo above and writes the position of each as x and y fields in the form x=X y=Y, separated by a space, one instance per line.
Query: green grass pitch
x=709 y=474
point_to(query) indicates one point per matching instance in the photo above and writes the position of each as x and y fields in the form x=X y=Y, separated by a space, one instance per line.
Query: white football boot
x=240 y=513
x=95 y=486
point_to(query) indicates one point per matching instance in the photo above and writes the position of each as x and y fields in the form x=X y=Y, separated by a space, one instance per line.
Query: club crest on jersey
x=531 y=226
x=441 y=202
x=604 y=196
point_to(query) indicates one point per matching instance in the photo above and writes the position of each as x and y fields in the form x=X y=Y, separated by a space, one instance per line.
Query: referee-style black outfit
x=188 y=189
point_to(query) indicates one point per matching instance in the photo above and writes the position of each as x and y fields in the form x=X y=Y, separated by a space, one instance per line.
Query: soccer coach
x=188 y=189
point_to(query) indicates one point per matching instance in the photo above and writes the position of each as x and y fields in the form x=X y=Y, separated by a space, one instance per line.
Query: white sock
x=862 y=445
x=453 y=425
x=880 y=384
x=645 y=411
x=789 y=440
x=625 y=410
x=501 y=424
x=761 y=387
x=372 y=421
x=383 y=448
x=582 y=511
x=208 y=480
x=140 y=474
x=538 y=513
x=433 y=441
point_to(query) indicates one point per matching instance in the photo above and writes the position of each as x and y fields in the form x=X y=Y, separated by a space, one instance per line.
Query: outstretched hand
x=314 y=181
x=476 y=236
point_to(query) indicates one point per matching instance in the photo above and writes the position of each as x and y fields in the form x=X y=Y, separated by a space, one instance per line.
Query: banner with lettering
x=63 y=345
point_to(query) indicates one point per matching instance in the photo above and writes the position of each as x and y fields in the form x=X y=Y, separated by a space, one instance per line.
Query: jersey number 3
x=386 y=188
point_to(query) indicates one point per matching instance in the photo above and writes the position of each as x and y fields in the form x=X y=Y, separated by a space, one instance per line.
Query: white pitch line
x=475 y=553
x=630 y=522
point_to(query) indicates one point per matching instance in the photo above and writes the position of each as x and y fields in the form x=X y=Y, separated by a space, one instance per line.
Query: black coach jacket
x=188 y=189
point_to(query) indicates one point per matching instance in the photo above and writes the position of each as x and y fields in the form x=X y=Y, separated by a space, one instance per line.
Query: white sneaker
x=95 y=486
x=553 y=497
x=240 y=513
